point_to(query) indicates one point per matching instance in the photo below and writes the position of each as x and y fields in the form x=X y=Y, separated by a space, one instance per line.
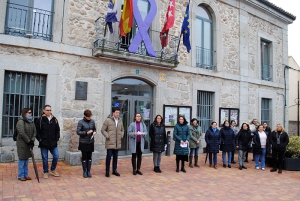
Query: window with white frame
x=205 y=109
x=21 y=90
x=204 y=39
x=266 y=111
x=266 y=67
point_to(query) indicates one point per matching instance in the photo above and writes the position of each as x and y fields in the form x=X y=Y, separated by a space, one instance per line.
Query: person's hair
x=24 y=111
x=162 y=120
x=264 y=123
x=213 y=123
x=243 y=126
x=194 y=119
x=46 y=106
x=282 y=130
x=134 y=118
x=225 y=122
x=184 y=120
x=259 y=126
x=87 y=113
x=115 y=109
x=232 y=122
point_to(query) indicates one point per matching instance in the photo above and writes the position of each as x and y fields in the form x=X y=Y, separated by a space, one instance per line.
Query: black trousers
x=280 y=154
x=86 y=155
x=137 y=157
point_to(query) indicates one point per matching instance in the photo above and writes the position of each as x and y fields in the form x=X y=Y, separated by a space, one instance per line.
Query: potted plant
x=292 y=155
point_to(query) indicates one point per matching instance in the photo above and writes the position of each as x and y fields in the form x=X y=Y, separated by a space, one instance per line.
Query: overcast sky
x=292 y=6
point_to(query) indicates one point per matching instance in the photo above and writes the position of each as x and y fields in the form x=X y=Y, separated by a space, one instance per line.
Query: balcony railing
x=266 y=72
x=107 y=43
x=205 y=58
x=28 y=22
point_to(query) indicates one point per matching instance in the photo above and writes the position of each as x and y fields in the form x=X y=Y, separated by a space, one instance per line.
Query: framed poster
x=229 y=114
x=171 y=113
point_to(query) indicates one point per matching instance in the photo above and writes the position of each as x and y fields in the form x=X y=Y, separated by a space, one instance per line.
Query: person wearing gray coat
x=195 y=142
x=137 y=131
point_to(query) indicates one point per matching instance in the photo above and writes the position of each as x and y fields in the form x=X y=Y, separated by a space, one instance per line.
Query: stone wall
x=293 y=128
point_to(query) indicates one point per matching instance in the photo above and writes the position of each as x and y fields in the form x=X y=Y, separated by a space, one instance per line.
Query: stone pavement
x=202 y=183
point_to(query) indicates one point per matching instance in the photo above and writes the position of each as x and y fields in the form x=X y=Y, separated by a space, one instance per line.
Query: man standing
x=113 y=132
x=48 y=133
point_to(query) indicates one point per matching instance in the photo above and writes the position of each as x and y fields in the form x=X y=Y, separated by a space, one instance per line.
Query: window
x=29 y=18
x=266 y=112
x=266 y=68
x=205 y=109
x=204 y=39
x=21 y=90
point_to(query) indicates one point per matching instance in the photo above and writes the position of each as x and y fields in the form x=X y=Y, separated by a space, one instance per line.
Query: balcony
x=113 y=46
x=205 y=58
x=28 y=22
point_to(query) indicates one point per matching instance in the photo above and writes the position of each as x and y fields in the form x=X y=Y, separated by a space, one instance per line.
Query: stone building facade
x=234 y=81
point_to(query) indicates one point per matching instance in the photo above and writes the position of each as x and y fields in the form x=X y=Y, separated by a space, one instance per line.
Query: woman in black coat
x=157 y=133
x=242 y=141
x=227 y=143
x=279 y=140
x=86 y=129
x=213 y=141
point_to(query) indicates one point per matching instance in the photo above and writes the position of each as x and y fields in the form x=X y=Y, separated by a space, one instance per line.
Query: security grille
x=205 y=109
x=266 y=111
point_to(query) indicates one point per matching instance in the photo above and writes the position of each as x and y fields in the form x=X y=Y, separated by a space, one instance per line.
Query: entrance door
x=129 y=105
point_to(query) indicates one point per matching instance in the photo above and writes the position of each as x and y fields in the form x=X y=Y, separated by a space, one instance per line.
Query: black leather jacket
x=82 y=128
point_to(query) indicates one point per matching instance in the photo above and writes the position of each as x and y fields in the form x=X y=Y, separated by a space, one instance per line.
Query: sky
x=292 y=6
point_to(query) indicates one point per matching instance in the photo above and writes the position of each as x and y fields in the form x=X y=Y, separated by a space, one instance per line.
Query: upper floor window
x=204 y=38
x=266 y=67
x=29 y=18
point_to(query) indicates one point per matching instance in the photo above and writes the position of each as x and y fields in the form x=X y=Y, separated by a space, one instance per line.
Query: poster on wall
x=229 y=114
x=186 y=112
x=172 y=112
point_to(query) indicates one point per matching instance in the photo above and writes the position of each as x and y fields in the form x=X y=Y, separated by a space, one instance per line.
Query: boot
x=191 y=161
x=158 y=170
x=182 y=166
x=155 y=169
x=177 y=166
x=139 y=163
x=196 y=161
x=89 y=165
x=133 y=166
x=84 y=169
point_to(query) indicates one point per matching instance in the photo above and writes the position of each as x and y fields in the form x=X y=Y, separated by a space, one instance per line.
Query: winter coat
x=132 y=137
x=112 y=133
x=243 y=139
x=257 y=145
x=47 y=132
x=195 y=136
x=213 y=140
x=227 y=139
x=26 y=132
x=158 y=137
x=83 y=127
x=181 y=132
x=284 y=140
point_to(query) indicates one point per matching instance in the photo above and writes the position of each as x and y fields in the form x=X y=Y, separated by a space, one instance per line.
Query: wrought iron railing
x=266 y=72
x=28 y=22
x=113 y=41
x=205 y=58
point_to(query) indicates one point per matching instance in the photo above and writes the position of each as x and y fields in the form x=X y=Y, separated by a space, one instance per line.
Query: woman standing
x=260 y=140
x=227 y=143
x=25 y=141
x=158 y=137
x=181 y=136
x=235 y=131
x=213 y=140
x=195 y=141
x=137 y=131
x=279 y=140
x=86 y=129
x=242 y=141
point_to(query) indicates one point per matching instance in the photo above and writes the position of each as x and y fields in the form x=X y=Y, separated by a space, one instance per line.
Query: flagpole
x=104 y=38
x=178 y=46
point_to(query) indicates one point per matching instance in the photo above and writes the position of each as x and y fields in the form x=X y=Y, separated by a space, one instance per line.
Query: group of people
x=187 y=142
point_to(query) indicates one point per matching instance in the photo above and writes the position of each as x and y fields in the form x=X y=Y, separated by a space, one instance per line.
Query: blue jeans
x=224 y=157
x=110 y=153
x=192 y=150
x=215 y=158
x=55 y=154
x=22 y=168
x=262 y=158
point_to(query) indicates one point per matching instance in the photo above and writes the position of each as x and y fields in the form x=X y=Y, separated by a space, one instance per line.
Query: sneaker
x=46 y=176
x=257 y=168
x=54 y=173
x=263 y=169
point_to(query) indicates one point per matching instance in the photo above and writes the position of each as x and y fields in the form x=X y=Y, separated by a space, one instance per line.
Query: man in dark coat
x=48 y=133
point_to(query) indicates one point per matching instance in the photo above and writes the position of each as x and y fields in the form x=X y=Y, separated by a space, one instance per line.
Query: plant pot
x=292 y=164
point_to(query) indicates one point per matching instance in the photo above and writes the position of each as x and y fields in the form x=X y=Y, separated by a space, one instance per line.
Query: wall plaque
x=81 y=90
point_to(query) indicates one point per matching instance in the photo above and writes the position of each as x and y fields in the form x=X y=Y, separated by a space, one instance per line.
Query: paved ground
x=202 y=183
